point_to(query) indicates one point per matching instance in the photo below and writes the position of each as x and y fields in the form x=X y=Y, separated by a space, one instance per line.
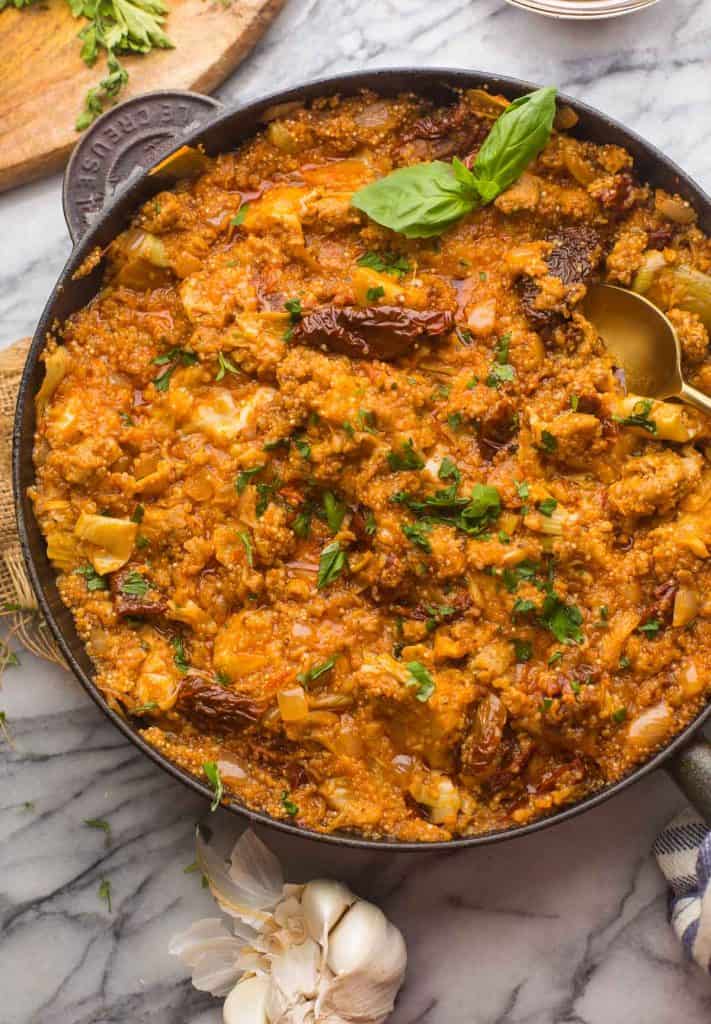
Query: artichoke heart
x=112 y=540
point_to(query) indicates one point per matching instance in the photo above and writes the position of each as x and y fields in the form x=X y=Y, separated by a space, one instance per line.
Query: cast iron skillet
x=106 y=180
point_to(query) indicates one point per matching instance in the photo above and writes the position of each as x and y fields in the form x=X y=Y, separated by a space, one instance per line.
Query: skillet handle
x=690 y=768
x=123 y=143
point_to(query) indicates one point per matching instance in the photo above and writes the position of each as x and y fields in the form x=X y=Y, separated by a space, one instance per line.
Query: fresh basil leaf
x=418 y=201
x=424 y=200
x=516 y=138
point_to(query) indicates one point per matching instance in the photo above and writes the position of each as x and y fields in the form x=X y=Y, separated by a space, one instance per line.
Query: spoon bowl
x=644 y=343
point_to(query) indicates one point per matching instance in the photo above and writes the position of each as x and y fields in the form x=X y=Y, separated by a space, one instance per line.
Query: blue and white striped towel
x=683 y=852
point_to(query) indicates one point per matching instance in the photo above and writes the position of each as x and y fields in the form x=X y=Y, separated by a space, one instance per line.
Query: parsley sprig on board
x=117 y=27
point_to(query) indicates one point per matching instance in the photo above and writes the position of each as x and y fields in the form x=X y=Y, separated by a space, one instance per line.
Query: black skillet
x=106 y=180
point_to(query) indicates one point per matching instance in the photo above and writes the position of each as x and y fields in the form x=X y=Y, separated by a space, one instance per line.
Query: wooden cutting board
x=43 y=81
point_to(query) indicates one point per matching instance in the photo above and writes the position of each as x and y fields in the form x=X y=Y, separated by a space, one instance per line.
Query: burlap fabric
x=18 y=606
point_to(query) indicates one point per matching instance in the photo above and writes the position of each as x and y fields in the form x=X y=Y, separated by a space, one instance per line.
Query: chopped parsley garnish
x=563 y=620
x=464 y=335
x=651 y=628
x=180 y=659
x=302 y=523
x=522 y=606
x=366 y=421
x=472 y=515
x=448 y=470
x=624 y=662
x=265 y=493
x=247 y=543
x=640 y=416
x=172 y=359
x=523 y=649
x=126 y=419
x=406 y=458
x=244 y=476
x=385 y=263
x=574 y=402
x=303 y=448
x=523 y=491
x=416 y=533
x=455 y=420
x=150 y=705
x=240 y=215
x=334 y=510
x=316 y=671
x=288 y=804
x=213 y=776
x=501 y=353
x=224 y=365
x=100 y=824
x=374 y=294
x=421 y=680
x=331 y=565
x=555 y=657
x=504 y=537
x=438 y=613
x=138 y=513
x=105 y=892
x=293 y=308
x=135 y=585
x=547 y=507
x=525 y=571
x=93 y=580
x=500 y=373
x=546 y=704
x=370 y=524
x=549 y=442
x=619 y=715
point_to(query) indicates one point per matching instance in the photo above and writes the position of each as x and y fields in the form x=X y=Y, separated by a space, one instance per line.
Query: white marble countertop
x=565 y=927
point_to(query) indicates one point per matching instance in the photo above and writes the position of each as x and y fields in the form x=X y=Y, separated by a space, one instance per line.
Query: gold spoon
x=644 y=343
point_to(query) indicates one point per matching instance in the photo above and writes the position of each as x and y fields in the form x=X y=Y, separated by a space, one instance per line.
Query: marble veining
x=564 y=927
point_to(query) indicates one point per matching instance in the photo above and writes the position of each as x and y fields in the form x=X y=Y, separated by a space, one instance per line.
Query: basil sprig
x=425 y=199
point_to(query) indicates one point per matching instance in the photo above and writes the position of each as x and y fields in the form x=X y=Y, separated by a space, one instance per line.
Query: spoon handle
x=696 y=398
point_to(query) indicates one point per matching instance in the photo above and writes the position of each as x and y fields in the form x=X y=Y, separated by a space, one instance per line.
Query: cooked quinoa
x=371 y=522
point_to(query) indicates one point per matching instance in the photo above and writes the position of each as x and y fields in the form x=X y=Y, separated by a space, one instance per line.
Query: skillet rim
x=108 y=224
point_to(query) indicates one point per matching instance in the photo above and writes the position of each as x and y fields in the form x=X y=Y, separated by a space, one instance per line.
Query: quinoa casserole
x=352 y=508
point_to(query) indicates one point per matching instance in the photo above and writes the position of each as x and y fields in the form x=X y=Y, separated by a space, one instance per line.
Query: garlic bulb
x=293 y=954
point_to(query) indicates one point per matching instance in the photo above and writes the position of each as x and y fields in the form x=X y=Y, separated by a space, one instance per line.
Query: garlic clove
x=252 y=884
x=366 y=995
x=247 y=1002
x=324 y=903
x=352 y=942
x=256 y=870
x=296 y=971
x=211 y=953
